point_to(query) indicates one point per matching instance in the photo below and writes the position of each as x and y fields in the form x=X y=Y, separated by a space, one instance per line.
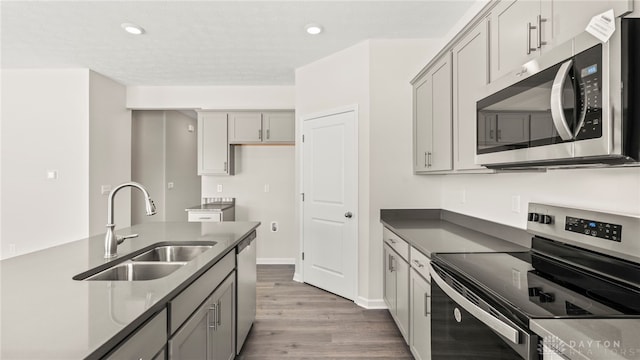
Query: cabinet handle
x=268 y=134
x=225 y=166
x=498 y=134
x=259 y=134
x=540 y=21
x=390 y=262
x=218 y=317
x=392 y=241
x=429 y=162
x=213 y=309
x=427 y=311
x=418 y=264
x=529 y=48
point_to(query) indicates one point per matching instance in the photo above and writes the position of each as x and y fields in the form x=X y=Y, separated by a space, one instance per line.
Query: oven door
x=464 y=326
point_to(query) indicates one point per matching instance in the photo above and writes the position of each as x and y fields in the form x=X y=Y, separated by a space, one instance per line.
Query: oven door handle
x=491 y=321
x=557 y=108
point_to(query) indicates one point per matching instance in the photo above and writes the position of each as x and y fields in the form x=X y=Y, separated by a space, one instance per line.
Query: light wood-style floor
x=299 y=321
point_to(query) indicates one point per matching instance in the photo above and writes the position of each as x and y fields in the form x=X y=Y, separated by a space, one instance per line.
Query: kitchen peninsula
x=48 y=314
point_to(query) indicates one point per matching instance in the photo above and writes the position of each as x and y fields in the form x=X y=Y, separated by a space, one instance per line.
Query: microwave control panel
x=588 y=73
x=594 y=228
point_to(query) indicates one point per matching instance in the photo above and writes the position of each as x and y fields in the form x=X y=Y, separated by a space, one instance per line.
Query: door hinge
x=303 y=138
x=302 y=196
x=302 y=256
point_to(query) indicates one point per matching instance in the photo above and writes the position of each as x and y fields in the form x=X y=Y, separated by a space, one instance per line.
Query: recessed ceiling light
x=132 y=29
x=313 y=29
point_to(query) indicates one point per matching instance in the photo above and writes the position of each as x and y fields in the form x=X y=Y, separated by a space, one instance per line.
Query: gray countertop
x=210 y=207
x=48 y=315
x=591 y=339
x=436 y=235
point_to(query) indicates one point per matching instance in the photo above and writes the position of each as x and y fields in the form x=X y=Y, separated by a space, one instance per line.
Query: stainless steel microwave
x=576 y=105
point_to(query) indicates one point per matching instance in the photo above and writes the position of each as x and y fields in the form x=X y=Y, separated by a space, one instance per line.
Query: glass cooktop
x=538 y=286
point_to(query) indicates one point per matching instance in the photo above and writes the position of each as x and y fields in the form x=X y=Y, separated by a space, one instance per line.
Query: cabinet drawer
x=199 y=216
x=146 y=342
x=181 y=307
x=399 y=245
x=420 y=263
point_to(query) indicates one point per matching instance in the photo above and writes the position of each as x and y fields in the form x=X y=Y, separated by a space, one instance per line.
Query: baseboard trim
x=276 y=261
x=371 y=303
x=297 y=277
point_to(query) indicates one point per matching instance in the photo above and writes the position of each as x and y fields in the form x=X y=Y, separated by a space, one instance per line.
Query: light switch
x=170 y=185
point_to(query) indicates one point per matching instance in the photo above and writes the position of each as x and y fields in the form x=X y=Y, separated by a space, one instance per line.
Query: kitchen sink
x=134 y=271
x=172 y=253
x=154 y=262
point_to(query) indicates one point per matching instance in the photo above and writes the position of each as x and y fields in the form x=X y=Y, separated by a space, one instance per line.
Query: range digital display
x=593 y=228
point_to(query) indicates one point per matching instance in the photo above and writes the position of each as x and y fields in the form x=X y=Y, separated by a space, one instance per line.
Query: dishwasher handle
x=244 y=243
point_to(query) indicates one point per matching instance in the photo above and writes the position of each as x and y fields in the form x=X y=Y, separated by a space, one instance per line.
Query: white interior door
x=330 y=172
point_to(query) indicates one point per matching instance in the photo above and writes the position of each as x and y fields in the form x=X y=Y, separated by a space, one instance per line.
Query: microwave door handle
x=491 y=321
x=557 y=111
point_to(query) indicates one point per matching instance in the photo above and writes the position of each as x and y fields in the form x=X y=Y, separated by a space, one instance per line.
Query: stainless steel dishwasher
x=246 y=272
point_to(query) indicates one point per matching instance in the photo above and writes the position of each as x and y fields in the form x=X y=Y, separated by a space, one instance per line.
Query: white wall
x=45 y=127
x=257 y=166
x=489 y=196
x=163 y=150
x=109 y=151
x=210 y=97
x=74 y=122
x=393 y=63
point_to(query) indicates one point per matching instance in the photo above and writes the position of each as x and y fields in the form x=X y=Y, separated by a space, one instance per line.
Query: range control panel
x=594 y=228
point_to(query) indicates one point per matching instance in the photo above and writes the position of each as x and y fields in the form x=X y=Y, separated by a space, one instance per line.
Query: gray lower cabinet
x=420 y=332
x=147 y=343
x=396 y=289
x=209 y=334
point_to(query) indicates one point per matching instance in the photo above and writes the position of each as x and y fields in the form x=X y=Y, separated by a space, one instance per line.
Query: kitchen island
x=46 y=314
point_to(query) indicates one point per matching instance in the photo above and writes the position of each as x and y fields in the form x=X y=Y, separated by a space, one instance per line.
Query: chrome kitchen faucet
x=111 y=241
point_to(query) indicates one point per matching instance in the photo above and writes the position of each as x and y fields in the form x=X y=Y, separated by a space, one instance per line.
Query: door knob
x=348 y=215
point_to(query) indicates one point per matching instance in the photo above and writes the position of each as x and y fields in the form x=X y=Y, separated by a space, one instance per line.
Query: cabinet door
x=568 y=18
x=192 y=340
x=432 y=119
x=420 y=334
x=213 y=148
x=245 y=127
x=512 y=39
x=389 y=294
x=470 y=75
x=279 y=127
x=422 y=123
x=224 y=301
x=402 y=298
x=146 y=342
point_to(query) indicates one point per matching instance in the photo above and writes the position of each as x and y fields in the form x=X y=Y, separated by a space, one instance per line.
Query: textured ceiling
x=206 y=42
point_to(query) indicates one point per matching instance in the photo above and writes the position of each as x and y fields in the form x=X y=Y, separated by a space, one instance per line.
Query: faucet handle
x=121 y=239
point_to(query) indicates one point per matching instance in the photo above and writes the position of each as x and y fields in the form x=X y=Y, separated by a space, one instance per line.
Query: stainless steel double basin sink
x=154 y=263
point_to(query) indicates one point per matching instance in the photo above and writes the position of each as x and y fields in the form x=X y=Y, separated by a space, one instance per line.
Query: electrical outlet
x=219 y=188
x=266 y=188
x=463 y=196
x=52 y=174
x=170 y=185
x=274 y=226
x=12 y=249
x=515 y=203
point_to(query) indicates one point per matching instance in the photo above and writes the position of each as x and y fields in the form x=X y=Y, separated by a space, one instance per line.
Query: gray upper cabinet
x=245 y=127
x=470 y=75
x=279 y=127
x=214 y=154
x=276 y=127
x=432 y=122
x=514 y=35
x=523 y=29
